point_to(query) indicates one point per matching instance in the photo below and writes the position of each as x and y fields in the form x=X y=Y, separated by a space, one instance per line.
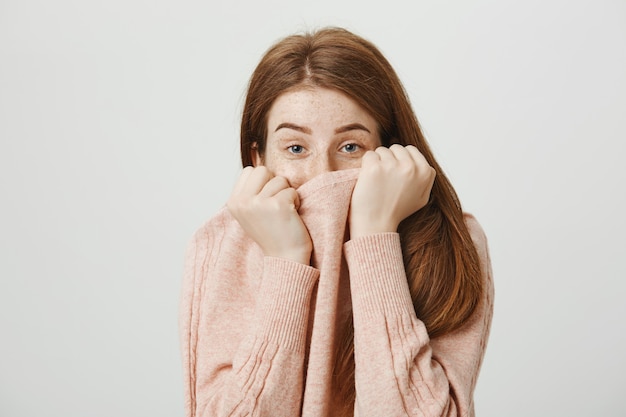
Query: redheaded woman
x=342 y=278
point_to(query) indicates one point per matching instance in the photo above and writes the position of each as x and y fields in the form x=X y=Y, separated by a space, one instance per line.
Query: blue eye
x=296 y=149
x=351 y=148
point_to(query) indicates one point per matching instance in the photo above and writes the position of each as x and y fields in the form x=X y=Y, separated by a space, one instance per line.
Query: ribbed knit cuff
x=377 y=277
x=284 y=301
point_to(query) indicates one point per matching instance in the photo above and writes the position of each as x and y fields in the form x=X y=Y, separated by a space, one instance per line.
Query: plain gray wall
x=118 y=132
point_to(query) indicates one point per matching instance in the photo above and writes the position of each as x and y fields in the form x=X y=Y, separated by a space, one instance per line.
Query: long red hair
x=440 y=259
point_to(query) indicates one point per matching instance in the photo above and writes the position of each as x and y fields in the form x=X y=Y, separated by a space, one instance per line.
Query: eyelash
x=356 y=145
x=290 y=148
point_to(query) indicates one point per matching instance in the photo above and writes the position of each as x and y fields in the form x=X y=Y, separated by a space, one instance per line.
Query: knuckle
x=373 y=168
x=407 y=168
x=281 y=181
x=288 y=194
x=368 y=158
x=381 y=150
x=274 y=204
x=262 y=171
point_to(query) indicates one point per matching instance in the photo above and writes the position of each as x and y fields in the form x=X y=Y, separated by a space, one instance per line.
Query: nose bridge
x=325 y=162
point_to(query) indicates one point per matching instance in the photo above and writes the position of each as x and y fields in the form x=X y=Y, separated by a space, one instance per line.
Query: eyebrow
x=293 y=127
x=352 y=126
x=304 y=129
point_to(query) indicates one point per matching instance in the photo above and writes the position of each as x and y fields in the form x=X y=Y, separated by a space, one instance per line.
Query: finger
x=256 y=180
x=401 y=153
x=273 y=186
x=423 y=166
x=369 y=158
x=385 y=154
x=243 y=178
x=417 y=156
x=289 y=196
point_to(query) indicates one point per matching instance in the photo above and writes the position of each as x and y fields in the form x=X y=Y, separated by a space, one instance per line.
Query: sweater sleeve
x=399 y=371
x=258 y=372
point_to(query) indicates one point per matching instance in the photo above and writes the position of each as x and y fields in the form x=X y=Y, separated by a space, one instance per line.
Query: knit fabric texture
x=258 y=333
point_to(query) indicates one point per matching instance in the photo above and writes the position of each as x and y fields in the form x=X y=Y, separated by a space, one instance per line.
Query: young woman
x=342 y=278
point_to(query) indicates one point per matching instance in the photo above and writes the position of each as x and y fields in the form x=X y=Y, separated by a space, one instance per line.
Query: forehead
x=312 y=106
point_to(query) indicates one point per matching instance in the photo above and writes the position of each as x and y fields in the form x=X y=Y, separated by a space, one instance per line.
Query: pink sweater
x=258 y=333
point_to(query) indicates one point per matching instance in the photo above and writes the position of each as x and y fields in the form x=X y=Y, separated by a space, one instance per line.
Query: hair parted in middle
x=441 y=262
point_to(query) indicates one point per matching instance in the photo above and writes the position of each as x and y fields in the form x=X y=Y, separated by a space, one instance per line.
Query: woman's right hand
x=266 y=207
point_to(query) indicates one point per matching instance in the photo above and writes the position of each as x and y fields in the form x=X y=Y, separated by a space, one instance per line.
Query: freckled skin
x=316 y=130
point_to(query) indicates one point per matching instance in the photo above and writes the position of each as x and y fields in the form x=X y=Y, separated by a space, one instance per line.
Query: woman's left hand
x=394 y=183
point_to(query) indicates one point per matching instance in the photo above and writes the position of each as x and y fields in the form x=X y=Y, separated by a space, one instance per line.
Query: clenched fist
x=394 y=183
x=266 y=207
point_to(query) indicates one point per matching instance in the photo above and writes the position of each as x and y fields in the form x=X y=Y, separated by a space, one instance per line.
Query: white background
x=119 y=137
